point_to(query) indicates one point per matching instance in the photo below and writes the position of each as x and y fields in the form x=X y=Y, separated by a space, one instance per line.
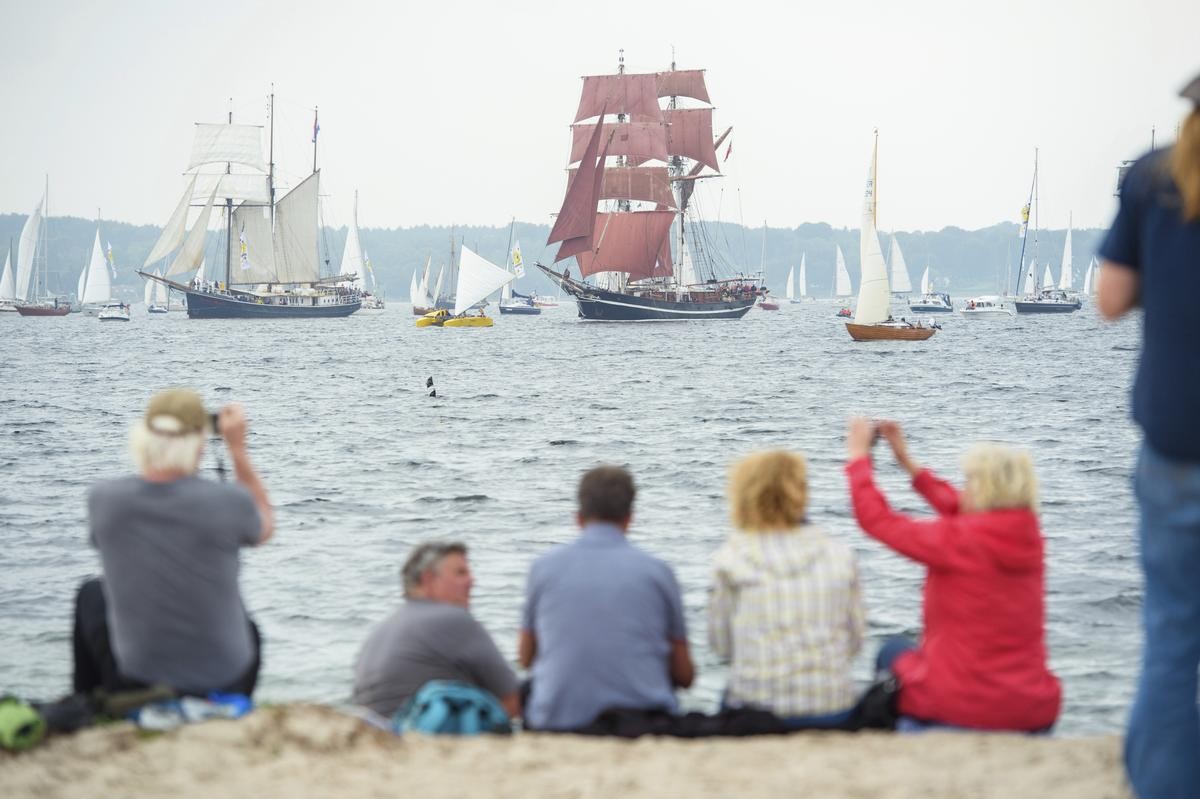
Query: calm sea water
x=362 y=465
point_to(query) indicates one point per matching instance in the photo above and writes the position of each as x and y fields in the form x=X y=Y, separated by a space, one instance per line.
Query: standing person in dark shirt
x=1152 y=259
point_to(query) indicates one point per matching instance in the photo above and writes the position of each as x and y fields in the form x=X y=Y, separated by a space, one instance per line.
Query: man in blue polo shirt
x=1152 y=259
x=603 y=623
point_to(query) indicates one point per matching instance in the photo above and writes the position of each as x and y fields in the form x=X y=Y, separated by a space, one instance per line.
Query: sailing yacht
x=155 y=295
x=8 y=291
x=791 y=291
x=356 y=267
x=1089 y=278
x=31 y=289
x=872 y=320
x=639 y=251
x=511 y=301
x=477 y=278
x=900 y=284
x=95 y=283
x=930 y=301
x=273 y=243
x=1047 y=299
x=841 y=282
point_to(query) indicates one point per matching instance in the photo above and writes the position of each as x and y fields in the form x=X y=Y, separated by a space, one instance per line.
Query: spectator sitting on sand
x=981 y=661
x=169 y=609
x=432 y=636
x=785 y=606
x=603 y=623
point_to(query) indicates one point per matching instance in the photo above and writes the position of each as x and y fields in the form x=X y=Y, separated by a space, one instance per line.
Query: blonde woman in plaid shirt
x=785 y=608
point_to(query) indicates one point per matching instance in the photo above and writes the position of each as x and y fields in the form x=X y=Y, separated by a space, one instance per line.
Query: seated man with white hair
x=169 y=609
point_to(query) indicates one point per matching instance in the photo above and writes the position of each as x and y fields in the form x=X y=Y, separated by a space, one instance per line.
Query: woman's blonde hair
x=1000 y=477
x=169 y=451
x=1185 y=165
x=768 y=491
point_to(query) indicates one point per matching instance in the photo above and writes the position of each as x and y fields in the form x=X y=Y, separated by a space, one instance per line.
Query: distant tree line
x=961 y=261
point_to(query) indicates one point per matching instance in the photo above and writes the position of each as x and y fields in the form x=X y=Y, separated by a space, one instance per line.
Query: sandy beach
x=307 y=750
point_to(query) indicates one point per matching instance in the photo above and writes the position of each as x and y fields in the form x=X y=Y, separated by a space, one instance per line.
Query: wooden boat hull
x=888 y=332
x=43 y=310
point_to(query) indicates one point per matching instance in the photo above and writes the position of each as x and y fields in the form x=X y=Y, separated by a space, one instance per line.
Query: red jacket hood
x=1010 y=538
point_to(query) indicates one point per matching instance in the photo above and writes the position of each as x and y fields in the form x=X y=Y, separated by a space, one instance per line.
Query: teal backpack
x=445 y=707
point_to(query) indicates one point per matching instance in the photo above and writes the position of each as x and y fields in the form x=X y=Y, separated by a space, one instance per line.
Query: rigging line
x=742 y=222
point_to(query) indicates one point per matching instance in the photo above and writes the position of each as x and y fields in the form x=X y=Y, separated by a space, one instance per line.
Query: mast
x=1025 y=221
x=45 y=287
x=316 y=129
x=228 y=216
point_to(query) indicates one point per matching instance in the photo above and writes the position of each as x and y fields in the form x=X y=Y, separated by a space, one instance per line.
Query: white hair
x=165 y=448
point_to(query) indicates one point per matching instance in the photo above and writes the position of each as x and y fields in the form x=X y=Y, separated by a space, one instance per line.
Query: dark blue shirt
x=604 y=613
x=1150 y=236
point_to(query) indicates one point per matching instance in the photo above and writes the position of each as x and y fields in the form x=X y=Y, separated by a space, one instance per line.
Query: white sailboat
x=95 y=283
x=32 y=286
x=1045 y=298
x=510 y=302
x=789 y=291
x=1066 y=278
x=8 y=291
x=842 y=287
x=422 y=303
x=803 y=277
x=1089 y=279
x=155 y=295
x=872 y=317
x=900 y=284
x=477 y=278
x=356 y=266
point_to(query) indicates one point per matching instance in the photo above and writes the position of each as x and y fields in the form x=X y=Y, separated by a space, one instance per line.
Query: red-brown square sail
x=642 y=140
x=683 y=83
x=578 y=208
x=624 y=93
x=649 y=183
x=627 y=242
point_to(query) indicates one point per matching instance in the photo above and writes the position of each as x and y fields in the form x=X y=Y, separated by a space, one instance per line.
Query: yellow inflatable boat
x=443 y=318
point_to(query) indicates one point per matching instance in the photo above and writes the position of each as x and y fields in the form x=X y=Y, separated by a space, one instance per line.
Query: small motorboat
x=845 y=313
x=114 y=312
x=768 y=305
x=988 y=307
x=932 y=302
x=443 y=318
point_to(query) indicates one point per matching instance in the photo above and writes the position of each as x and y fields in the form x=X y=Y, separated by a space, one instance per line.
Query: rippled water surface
x=361 y=464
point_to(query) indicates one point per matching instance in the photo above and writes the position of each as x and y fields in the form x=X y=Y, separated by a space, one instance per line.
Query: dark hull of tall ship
x=1048 y=306
x=601 y=305
x=206 y=305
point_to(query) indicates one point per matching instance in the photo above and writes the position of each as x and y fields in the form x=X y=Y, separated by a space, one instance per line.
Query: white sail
x=203 y=270
x=685 y=270
x=873 y=299
x=26 y=250
x=8 y=291
x=437 y=291
x=899 y=278
x=296 y=259
x=98 y=286
x=926 y=288
x=1030 y=285
x=251 y=225
x=192 y=251
x=425 y=301
x=226 y=143
x=172 y=234
x=1047 y=278
x=352 y=257
x=162 y=294
x=842 y=284
x=477 y=278
x=81 y=283
x=803 y=276
x=1066 y=280
x=1088 y=277
x=789 y=291
x=148 y=291
x=412 y=289
x=237 y=186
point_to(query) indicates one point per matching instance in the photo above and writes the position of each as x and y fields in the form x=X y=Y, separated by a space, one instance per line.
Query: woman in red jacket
x=981 y=661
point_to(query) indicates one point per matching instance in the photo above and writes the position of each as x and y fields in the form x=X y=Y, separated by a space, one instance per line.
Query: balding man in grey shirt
x=432 y=636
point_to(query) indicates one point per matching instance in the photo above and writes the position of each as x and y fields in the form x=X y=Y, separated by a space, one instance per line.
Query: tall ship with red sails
x=641 y=142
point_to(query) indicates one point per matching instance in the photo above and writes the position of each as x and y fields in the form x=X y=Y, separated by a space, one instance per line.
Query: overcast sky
x=456 y=112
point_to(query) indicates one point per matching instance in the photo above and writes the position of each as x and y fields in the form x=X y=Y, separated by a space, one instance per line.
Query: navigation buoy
x=429 y=385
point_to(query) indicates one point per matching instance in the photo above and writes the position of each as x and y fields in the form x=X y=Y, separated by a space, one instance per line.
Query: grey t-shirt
x=170 y=557
x=424 y=641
